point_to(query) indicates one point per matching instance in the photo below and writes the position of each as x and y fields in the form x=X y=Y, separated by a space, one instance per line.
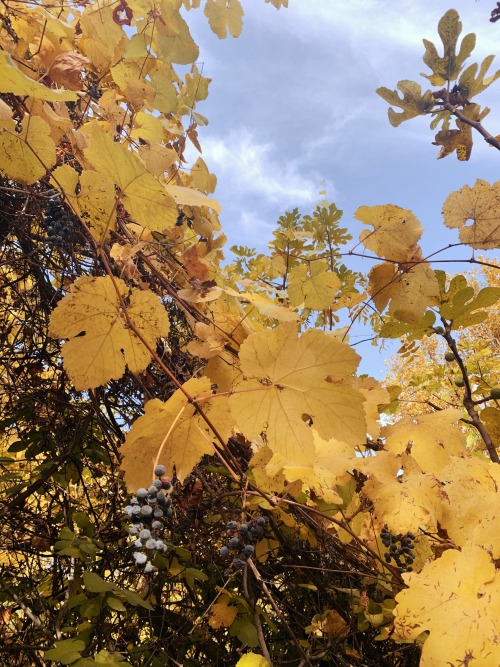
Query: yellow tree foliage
x=219 y=403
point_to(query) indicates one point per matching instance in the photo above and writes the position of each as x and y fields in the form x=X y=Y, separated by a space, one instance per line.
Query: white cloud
x=249 y=167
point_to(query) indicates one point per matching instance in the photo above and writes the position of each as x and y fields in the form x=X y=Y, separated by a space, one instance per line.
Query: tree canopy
x=191 y=470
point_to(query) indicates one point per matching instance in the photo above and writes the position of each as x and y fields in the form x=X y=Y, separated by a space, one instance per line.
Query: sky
x=292 y=105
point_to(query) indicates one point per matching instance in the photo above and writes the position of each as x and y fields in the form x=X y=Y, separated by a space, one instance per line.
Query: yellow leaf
x=12 y=80
x=278 y=3
x=252 y=660
x=92 y=308
x=291 y=380
x=313 y=286
x=175 y=430
x=332 y=461
x=447 y=67
x=102 y=39
x=222 y=615
x=403 y=500
x=158 y=158
x=471 y=511
x=480 y=207
x=174 y=40
x=266 y=548
x=433 y=438
x=26 y=156
x=225 y=16
x=190 y=197
x=409 y=292
x=375 y=395
x=269 y=307
x=141 y=193
x=147 y=128
x=456 y=598
x=201 y=179
x=211 y=342
x=96 y=199
x=395 y=230
x=413 y=102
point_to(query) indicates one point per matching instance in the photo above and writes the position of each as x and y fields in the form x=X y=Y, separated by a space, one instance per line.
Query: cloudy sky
x=293 y=104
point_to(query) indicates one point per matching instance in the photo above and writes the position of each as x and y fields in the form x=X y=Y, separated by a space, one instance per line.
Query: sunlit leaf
x=93 y=308
x=174 y=431
x=292 y=379
x=479 y=206
x=224 y=16
x=26 y=156
x=457 y=600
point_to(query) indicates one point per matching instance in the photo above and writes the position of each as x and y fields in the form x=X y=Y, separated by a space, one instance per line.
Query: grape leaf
x=174 y=40
x=222 y=615
x=141 y=193
x=95 y=202
x=189 y=436
x=480 y=205
x=447 y=67
x=102 y=39
x=225 y=16
x=395 y=230
x=413 y=102
x=456 y=598
x=375 y=395
x=66 y=651
x=26 y=156
x=211 y=341
x=409 y=292
x=92 y=308
x=403 y=497
x=13 y=80
x=472 y=508
x=432 y=436
x=313 y=286
x=291 y=380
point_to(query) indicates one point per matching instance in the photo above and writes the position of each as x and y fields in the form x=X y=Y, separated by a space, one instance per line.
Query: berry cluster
x=241 y=537
x=59 y=223
x=148 y=510
x=400 y=549
x=93 y=90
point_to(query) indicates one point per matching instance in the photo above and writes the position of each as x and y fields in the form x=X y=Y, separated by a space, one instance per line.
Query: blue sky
x=293 y=103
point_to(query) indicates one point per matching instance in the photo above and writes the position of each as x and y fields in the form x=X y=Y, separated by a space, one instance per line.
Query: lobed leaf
x=101 y=344
x=479 y=204
x=456 y=599
x=413 y=103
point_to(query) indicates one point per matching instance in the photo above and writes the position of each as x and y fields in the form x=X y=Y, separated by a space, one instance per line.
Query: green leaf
x=94 y=584
x=415 y=331
x=190 y=574
x=413 y=102
x=134 y=599
x=66 y=651
x=115 y=604
x=245 y=630
x=447 y=67
x=464 y=309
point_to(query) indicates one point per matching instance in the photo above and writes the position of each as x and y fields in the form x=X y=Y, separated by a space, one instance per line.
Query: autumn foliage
x=308 y=516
